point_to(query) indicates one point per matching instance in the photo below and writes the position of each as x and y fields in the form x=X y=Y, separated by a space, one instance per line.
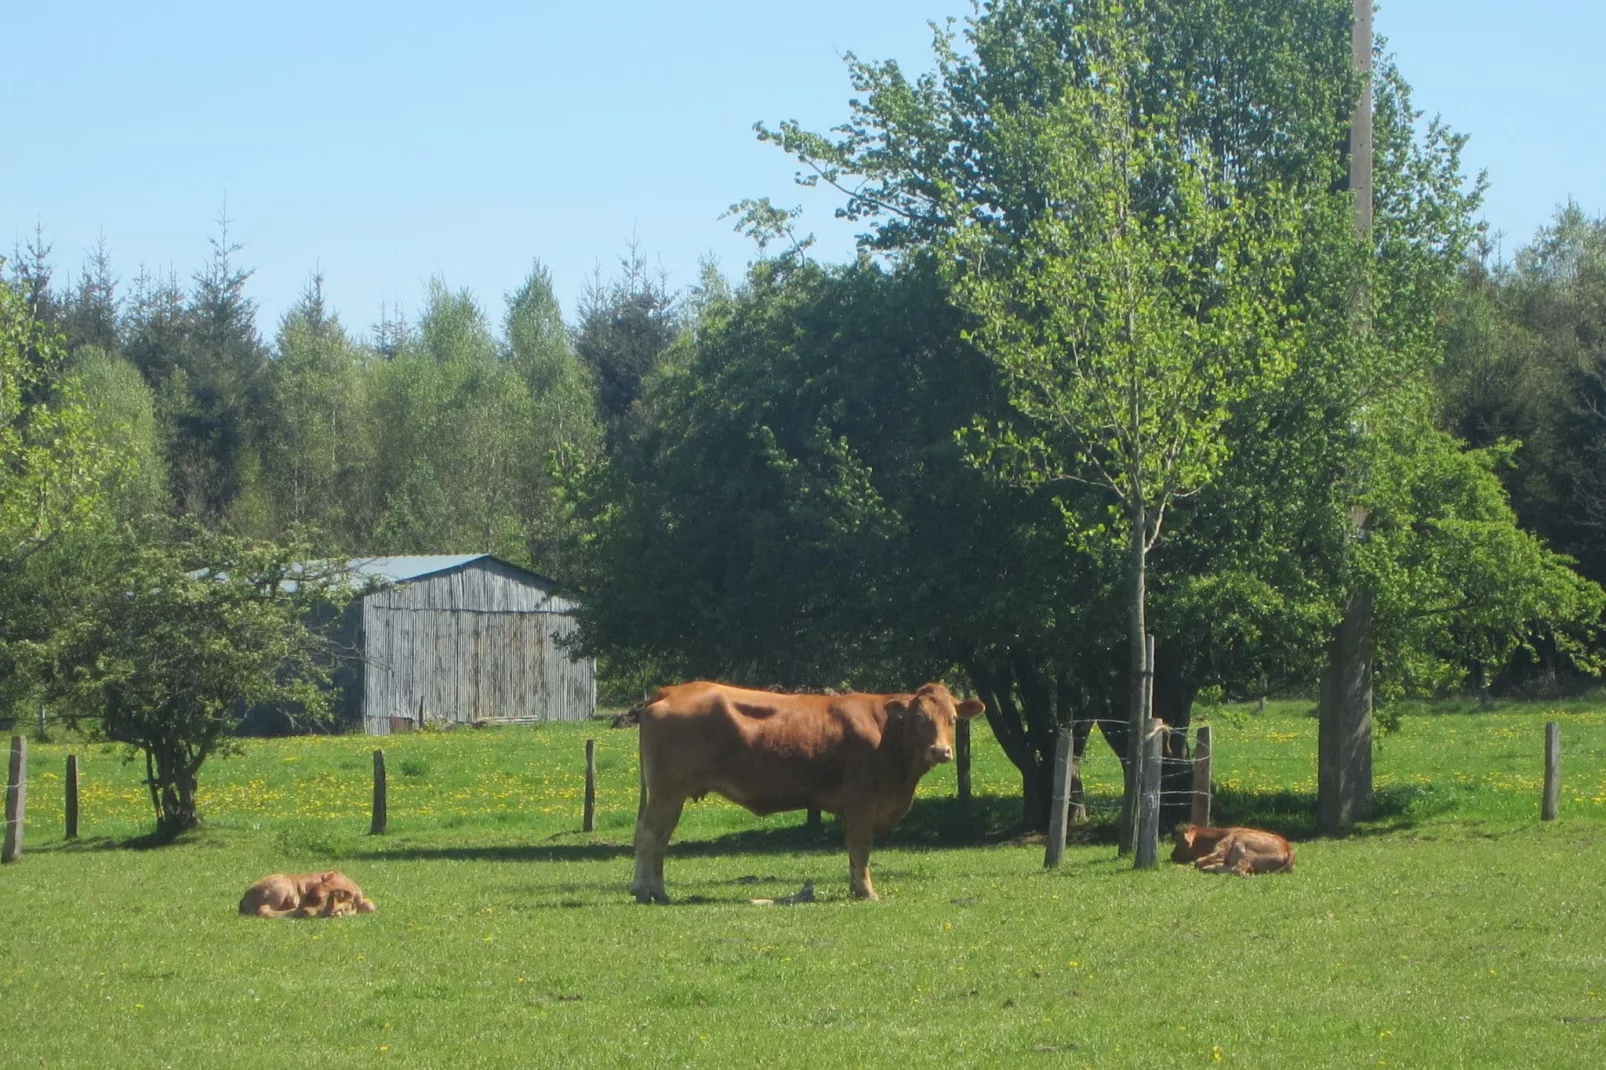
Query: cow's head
x=931 y=714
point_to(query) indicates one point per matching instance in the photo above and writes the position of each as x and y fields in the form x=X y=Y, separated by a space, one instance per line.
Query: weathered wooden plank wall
x=477 y=642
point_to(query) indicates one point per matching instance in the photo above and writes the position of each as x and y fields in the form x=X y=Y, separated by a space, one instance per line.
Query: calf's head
x=342 y=896
x=929 y=716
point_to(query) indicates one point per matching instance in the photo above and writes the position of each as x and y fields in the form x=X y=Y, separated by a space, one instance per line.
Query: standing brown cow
x=856 y=755
x=1235 y=850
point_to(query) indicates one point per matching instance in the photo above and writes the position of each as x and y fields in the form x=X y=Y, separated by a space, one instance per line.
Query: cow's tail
x=633 y=714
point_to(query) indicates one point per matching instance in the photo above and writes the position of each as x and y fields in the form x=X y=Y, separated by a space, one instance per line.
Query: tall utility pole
x=1344 y=741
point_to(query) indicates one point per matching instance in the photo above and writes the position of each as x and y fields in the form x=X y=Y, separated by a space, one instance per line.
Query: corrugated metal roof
x=402 y=569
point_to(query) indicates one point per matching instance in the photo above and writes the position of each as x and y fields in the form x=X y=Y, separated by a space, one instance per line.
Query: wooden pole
x=813 y=819
x=962 y=761
x=16 y=800
x=1127 y=831
x=1552 y=802
x=1344 y=730
x=378 y=826
x=72 y=796
x=1201 y=777
x=1148 y=846
x=1060 y=800
x=589 y=822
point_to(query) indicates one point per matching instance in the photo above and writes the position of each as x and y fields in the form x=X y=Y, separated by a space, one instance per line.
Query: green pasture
x=1454 y=930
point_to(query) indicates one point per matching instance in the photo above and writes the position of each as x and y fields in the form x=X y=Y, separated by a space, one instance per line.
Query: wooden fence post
x=589 y=821
x=1552 y=802
x=16 y=800
x=1059 y=804
x=378 y=825
x=962 y=761
x=1148 y=845
x=72 y=796
x=1132 y=781
x=813 y=819
x=1201 y=777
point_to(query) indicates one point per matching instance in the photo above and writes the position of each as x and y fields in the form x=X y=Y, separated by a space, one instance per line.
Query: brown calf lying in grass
x=305 y=895
x=1234 y=850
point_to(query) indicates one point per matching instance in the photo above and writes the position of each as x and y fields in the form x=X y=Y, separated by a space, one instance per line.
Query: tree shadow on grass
x=145 y=841
x=936 y=822
x=1395 y=808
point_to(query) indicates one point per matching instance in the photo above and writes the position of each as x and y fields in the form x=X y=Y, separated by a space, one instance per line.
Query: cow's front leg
x=860 y=831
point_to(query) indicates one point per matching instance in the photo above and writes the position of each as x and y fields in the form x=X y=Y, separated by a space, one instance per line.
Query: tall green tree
x=223 y=357
x=565 y=436
x=1128 y=315
x=311 y=437
x=56 y=466
x=451 y=425
x=1525 y=364
x=626 y=325
x=1247 y=99
x=92 y=310
x=123 y=410
x=795 y=509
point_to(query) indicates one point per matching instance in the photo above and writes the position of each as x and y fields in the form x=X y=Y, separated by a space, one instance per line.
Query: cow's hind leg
x=655 y=824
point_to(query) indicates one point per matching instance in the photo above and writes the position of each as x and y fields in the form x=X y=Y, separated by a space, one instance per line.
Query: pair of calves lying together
x=305 y=895
x=1235 y=850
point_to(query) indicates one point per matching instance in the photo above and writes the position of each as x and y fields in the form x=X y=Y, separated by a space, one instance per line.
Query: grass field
x=1455 y=930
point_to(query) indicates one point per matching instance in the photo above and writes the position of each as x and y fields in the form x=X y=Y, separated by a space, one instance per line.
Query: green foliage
x=53 y=463
x=58 y=472
x=1526 y=363
x=179 y=638
x=452 y=426
x=794 y=508
x=565 y=435
x=124 y=410
x=314 y=454
x=626 y=325
x=1459 y=585
x=1135 y=304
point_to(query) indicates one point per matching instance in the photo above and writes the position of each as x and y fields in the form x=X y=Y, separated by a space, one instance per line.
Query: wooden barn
x=461 y=638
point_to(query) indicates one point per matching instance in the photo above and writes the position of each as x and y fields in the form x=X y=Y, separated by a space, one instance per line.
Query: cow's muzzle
x=941 y=753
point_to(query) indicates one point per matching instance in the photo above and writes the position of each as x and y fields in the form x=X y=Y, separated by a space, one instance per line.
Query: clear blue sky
x=388 y=143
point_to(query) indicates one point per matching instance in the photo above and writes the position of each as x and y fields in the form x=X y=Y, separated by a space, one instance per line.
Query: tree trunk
x=1024 y=728
x=1344 y=741
x=1127 y=833
x=1173 y=704
x=174 y=785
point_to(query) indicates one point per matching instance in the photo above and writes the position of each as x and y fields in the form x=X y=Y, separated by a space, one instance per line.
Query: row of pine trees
x=445 y=431
x=453 y=430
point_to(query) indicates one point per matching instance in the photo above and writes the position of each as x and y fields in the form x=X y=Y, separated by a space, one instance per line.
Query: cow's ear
x=970 y=707
x=897 y=707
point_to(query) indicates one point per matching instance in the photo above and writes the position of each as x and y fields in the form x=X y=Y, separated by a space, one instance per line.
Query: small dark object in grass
x=804 y=894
